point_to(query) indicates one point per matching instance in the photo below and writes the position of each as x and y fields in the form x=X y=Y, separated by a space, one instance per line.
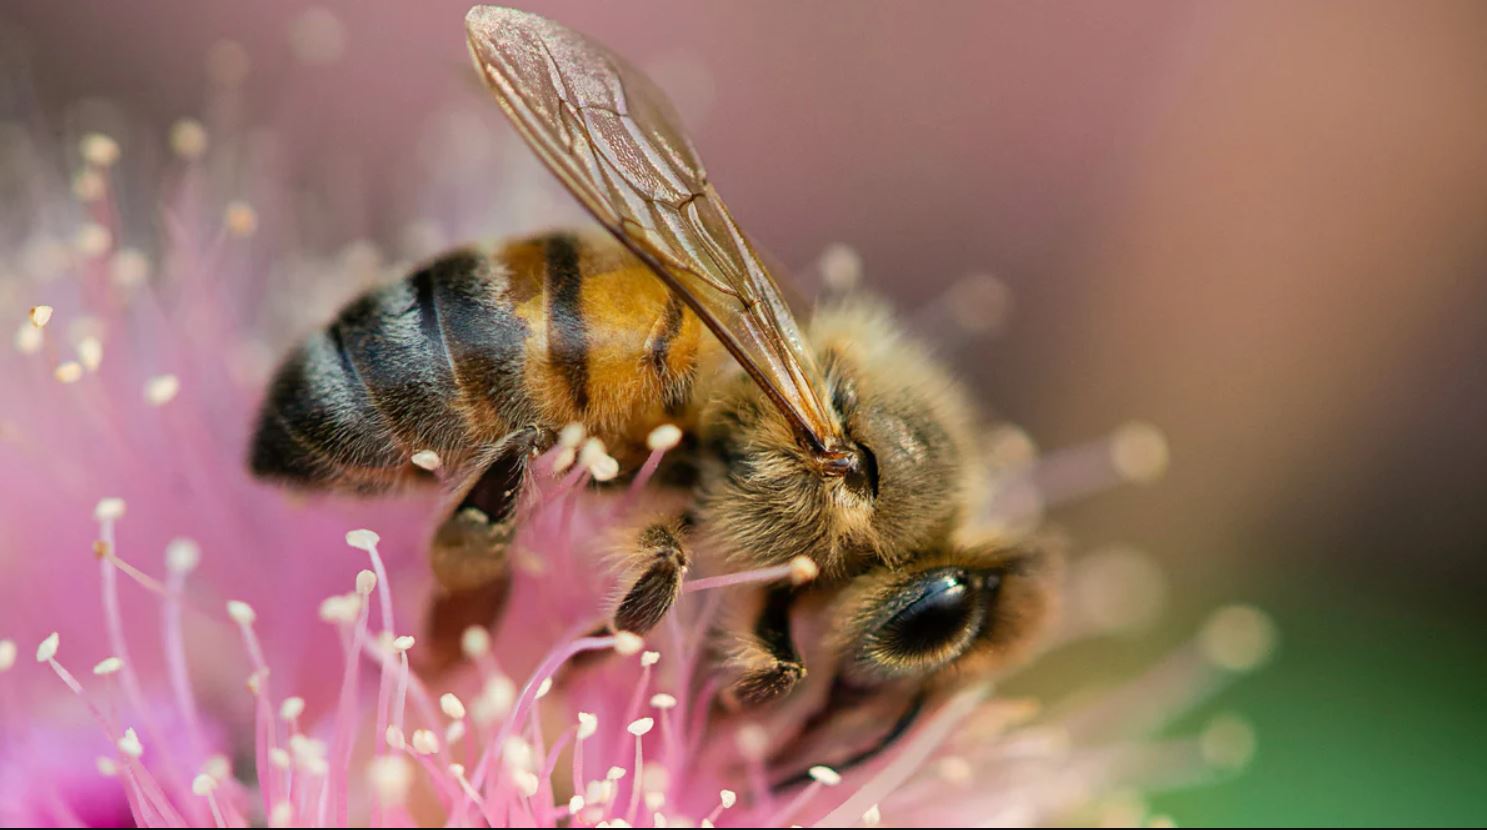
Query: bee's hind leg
x=469 y=551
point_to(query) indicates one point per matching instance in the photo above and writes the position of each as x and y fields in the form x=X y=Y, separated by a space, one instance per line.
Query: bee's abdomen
x=432 y=362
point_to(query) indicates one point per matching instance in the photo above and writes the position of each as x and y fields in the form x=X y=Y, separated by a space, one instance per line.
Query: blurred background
x=1262 y=226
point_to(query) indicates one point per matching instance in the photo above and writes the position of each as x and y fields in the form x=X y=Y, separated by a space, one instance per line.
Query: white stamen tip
x=587 y=725
x=727 y=798
x=641 y=726
x=48 y=648
x=394 y=736
x=203 y=785
x=841 y=267
x=92 y=239
x=627 y=643
x=1238 y=638
x=366 y=582
x=475 y=642
x=391 y=776
x=341 y=608
x=218 y=767
x=130 y=745
x=527 y=783
x=90 y=353
x=28 y=339
x=1139 y=452
x=575 y=804
x=182 y=556
x=563 y=460
x=292 y=708
x=605 y=468
x=428 y=460
x=403 y=643
x=109 y=510
x=650 y=658
x=41 y=315
x=661 y=700
x=825 y=775
x=69 y=372
x=99 y=150
x=282 y=815
x=425 y=742
x=803 y=569
x=241 y=612
x=1227 y=742
x=591 y=451
x=664 y=437
x=873 y=817
x=615 y=773
x=162 y=389
x=279 y=757
x=106 y=766
x=453 y=732
x=571 y=435
x=7 y=654
x=452 y=706
x=188 y=138
x=108 y=666
x=362 y=539
x=544 y=688
x=457 y=770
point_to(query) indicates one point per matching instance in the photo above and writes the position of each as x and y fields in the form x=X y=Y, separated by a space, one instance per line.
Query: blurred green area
x=1372 y=712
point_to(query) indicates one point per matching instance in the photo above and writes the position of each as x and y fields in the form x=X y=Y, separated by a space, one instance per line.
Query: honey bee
x=846 y=443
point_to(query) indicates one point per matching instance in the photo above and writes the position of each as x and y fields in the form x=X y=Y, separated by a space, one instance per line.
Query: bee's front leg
x=658 y=560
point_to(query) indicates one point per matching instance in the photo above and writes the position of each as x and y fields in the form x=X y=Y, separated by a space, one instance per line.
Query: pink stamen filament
x=774 y=573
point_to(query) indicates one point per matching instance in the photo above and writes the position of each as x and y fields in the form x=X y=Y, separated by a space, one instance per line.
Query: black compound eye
x=937 y=619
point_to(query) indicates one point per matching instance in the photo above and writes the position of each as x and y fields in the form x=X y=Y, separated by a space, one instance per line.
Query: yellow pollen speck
x=241 y=219
x=427 y=459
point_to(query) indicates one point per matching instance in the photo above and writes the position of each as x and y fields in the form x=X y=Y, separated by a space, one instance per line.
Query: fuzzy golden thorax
x=763 y=500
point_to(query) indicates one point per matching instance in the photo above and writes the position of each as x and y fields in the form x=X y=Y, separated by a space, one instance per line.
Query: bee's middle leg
x=769 y=665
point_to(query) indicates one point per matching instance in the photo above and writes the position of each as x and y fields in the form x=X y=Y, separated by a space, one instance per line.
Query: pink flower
x=209 y=650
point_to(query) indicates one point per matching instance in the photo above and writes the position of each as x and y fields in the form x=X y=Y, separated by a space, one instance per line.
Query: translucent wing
x=612 y=137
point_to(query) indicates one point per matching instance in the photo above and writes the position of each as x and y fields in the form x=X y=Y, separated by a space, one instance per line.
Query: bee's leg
x=469 y=549
x=770 y=664
x=661 y=562
x=900 y=727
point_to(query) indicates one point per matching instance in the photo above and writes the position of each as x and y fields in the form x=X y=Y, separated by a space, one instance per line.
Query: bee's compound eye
x=940 y=618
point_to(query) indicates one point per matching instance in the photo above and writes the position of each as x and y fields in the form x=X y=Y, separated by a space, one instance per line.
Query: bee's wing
x=612 y=137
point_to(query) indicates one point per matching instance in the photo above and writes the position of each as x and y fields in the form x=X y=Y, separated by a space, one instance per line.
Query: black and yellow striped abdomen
x=546 y=331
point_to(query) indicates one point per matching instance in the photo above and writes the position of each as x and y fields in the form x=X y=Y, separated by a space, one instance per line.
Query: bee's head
x=909 y=439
